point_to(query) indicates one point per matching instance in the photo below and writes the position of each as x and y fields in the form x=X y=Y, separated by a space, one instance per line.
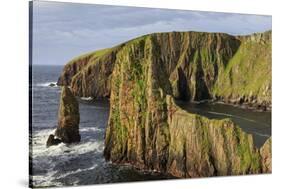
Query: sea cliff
x=143 y=77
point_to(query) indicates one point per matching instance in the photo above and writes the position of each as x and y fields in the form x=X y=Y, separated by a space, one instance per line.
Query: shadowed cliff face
x=192 y=61
x=148 y=130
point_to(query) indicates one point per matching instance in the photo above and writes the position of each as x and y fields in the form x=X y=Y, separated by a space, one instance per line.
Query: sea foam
x=46 y=159
x=86 y=98
x=47 y=84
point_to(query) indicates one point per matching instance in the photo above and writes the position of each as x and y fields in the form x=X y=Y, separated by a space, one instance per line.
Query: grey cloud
x=64 y=30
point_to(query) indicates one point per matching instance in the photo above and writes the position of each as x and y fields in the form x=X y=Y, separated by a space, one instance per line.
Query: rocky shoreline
x=144 y=76
x=245 y=104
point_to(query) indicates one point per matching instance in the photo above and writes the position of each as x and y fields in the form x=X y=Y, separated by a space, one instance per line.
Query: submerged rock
x=68 y=117
x=53 y=141
x=52 y=85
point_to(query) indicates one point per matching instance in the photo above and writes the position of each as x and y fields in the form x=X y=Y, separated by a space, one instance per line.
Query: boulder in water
x=53 y=141
x=52 y=85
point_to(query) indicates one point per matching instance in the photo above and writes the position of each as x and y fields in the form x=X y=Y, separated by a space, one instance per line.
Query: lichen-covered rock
x=68 y=117
x=266 y=156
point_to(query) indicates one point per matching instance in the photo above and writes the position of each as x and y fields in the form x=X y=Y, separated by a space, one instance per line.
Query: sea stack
x=68 y=120
x=68 y=117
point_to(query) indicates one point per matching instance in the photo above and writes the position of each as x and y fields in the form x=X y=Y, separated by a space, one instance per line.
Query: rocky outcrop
x=68 y=118
x=90 y=75
x=52 y=141
x=73 y=67
x=147 y=129
x=266 y=156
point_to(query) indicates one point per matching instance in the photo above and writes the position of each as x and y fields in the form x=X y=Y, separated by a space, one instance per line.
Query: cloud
x=64 y=30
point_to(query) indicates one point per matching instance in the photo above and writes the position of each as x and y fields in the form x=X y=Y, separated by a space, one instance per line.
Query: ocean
x=83 y=163
x=77 y=164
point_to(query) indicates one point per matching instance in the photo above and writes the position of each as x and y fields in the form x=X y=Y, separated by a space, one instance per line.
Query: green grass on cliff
x=249 y=159
x=92 y=56
x=247 y=72
x=135 y=65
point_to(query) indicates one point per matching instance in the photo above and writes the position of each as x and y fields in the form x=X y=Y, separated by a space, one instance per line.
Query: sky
x=62 y=31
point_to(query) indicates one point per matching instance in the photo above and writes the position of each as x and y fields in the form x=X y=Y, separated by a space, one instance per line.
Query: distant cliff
x=144 y=76
x=90 y=74
x=198 y=66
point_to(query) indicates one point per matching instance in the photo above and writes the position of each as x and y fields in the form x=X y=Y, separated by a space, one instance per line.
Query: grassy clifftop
x=247 y=76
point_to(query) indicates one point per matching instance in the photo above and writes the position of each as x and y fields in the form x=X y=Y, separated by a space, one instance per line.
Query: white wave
x=263 y=135
x=86 y=98
x=39 y=148
x=76 y=171
x=43 y=157
x=230 y=115
x=47 y=84
x=45 y=180
x=87 y=129
x=218 y=113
